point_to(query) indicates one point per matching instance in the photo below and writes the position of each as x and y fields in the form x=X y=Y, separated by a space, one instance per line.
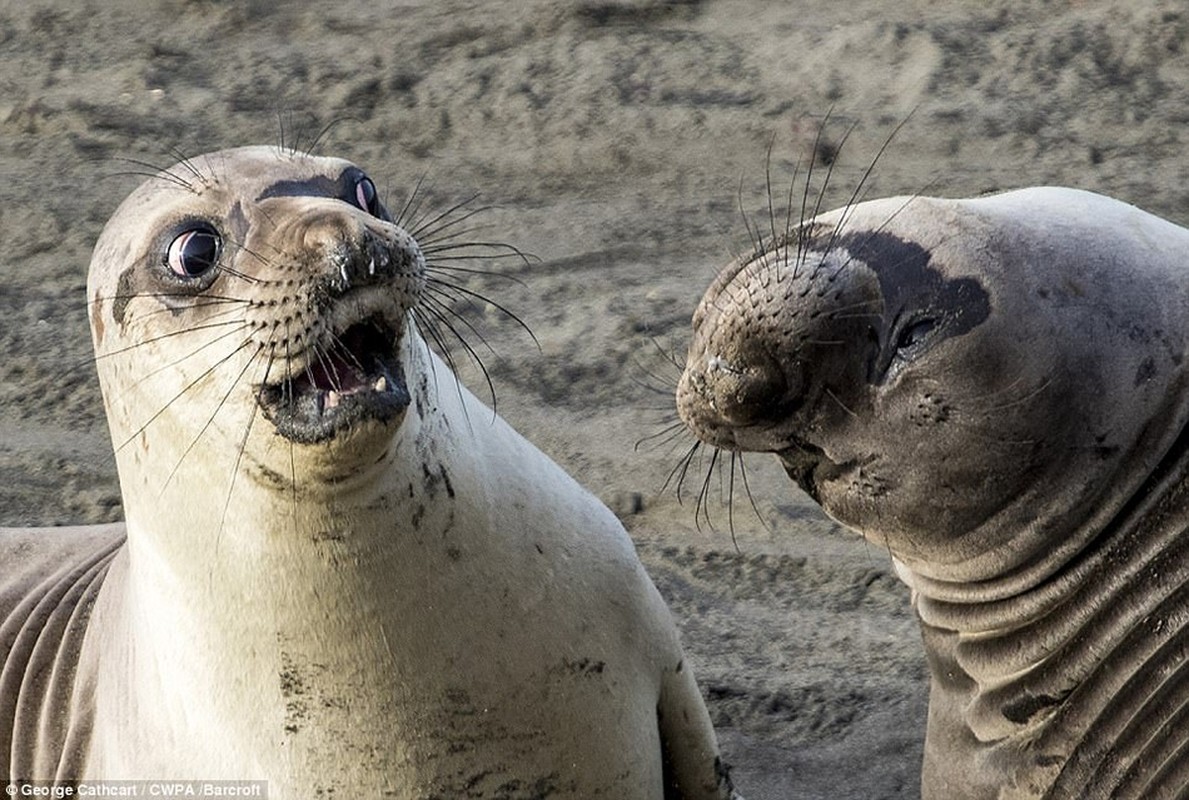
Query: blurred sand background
x=617 y=141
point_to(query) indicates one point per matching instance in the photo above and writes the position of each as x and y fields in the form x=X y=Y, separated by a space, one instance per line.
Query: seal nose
x=720 y=395
x=368 y=259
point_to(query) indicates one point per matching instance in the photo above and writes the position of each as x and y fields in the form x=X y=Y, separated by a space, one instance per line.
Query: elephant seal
x=996 y=391
x=339 y=572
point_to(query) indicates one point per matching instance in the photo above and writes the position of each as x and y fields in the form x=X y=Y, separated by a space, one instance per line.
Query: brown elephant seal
x=996 y=391
x=342 y=575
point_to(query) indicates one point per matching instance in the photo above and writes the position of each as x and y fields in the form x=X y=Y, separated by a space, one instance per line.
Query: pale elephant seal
x=342 y=574
x=996 y=391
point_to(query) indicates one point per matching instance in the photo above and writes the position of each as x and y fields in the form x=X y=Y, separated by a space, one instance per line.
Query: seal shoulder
x=51 y=579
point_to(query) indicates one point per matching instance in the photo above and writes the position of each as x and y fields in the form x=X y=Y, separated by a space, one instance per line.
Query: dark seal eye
x=194 y=253
x=366 y=197
x=914 y=334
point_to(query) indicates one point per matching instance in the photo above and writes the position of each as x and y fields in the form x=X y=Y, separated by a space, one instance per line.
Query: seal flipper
x=51 y=579
x=693 y=769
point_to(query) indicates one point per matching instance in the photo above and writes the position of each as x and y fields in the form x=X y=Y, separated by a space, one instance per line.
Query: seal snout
x=371 y=259
x=734 y=400
x=358 y=276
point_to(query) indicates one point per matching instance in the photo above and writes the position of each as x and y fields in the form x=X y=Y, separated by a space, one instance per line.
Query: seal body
x=342 y=573
x=994 y=390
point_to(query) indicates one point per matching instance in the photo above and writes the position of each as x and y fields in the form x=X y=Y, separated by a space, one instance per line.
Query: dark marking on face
x=271 y=477
x=125 y=290
x=341 y=188
x=317 y=186
x=1146 y=371
x=915 y=292
x=237 y=223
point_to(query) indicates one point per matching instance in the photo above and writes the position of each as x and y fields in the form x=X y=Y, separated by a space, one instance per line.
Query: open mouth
x=357 y=377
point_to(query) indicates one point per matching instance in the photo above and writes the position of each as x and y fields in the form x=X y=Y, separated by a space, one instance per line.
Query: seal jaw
x=357 y=378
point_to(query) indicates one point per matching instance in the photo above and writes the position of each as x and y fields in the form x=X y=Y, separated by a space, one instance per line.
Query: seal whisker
x=208 y=299
x=838 y=313
x=668 y=435
x=155 y=172
x=753 y=233
x=211 y=418
x=813 y=158
x=861 y=185
x=183 y=332
x=681 y=470
x=190 y=354
x=433 y=224
x=842 y=405
x=702 y=502
x=747 y=491
x=147 y=173
x=434 y=308
x=185 y=162
x=412 y=203
x=239 y=455
x=1021 y=399
x=444 y=288
x=205 y=373
x=441 y=299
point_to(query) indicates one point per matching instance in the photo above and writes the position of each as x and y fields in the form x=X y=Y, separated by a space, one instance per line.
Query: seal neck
x=1063 y=666
x=294 y=599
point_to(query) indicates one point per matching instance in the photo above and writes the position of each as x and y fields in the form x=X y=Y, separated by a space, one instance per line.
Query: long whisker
x=191 y=354
x=681 y=470
x=239 y=454
x=178 y=396
x=210 y=419
x=702 y=506
x=118 y=351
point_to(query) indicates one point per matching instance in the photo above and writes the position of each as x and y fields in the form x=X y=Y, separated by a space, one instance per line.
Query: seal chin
x=358 y=379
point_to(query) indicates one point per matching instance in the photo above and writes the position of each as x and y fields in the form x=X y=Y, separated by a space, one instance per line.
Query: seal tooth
x=381 y=384
x=332 y=399
x=371 y=266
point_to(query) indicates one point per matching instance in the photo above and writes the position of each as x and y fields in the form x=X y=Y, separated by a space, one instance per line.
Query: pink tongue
x=333 y=372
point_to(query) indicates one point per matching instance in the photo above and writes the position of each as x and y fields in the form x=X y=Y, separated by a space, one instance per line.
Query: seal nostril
x=748 y=392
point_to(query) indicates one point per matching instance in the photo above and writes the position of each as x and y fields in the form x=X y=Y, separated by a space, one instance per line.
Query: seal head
x=295 y=293
x=928 y=383
x=995 y=391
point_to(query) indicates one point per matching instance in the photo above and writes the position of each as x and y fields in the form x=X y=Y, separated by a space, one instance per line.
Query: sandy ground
x=617 y=141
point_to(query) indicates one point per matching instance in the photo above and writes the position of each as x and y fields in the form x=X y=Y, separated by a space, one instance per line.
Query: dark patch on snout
x=340 y=188
x=911 y=285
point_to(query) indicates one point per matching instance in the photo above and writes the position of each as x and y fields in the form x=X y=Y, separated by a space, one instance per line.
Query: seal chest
x=341 y=573
x=995 y=391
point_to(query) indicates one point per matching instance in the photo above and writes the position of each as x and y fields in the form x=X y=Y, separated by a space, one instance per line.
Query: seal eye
x=194 y=253
x=914 y=334
x=366 y=197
